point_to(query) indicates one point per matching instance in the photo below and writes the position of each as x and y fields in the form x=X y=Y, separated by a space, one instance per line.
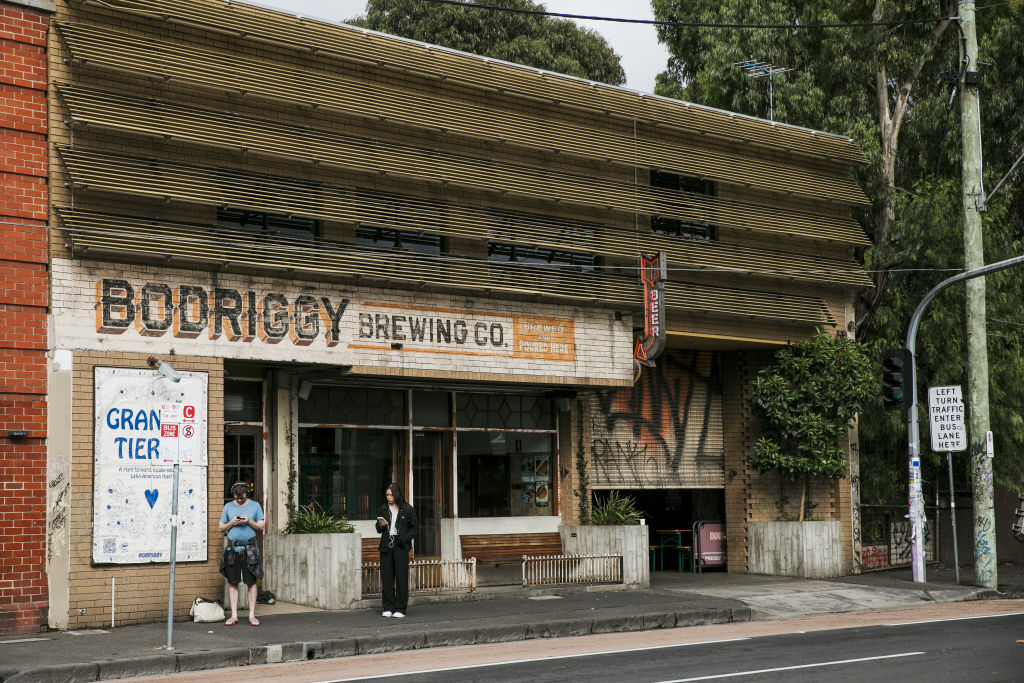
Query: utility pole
x=977 y=351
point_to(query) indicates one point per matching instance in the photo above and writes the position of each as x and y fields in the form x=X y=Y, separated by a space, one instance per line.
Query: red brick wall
x=24 y=292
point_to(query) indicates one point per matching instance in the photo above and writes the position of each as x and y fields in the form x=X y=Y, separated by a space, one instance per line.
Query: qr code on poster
x=109 y=545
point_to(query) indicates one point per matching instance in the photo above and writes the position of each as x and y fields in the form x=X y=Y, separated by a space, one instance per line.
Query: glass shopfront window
x=354 y=441
x=505 y=474
x=344 y=468
x=345 y=471
x=503 y=411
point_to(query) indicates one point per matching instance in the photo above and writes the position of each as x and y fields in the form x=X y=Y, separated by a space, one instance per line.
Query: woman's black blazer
x=407 y=526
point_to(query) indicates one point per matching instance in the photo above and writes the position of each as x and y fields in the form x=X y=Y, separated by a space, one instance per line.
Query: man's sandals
x=253 y=621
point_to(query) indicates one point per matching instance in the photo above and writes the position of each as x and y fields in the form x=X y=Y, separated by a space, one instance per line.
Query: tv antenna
x=755 y=69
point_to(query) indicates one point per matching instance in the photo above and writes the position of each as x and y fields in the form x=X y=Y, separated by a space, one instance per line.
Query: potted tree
x=316 y=561
x=613 y=528
x=806 y=401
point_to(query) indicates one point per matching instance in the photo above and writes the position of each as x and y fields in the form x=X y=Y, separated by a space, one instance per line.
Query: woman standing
x=397 y=525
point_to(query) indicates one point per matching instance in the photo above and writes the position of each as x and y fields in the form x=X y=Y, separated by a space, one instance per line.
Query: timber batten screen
x=219 y=70
x=405 y=56
x=170 y=120
x=92 y=232
x=275 y=194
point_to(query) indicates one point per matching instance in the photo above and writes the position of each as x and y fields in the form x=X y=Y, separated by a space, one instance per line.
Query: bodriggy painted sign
x=189 y=311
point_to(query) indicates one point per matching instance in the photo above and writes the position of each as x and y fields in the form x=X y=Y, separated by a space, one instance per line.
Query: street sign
x=946 y=419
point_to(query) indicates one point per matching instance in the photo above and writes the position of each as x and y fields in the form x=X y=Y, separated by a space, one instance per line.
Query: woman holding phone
x=397 y=525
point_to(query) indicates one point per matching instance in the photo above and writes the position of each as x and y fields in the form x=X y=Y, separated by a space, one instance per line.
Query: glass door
x=243 y=455
x=431 y=473
x=242 y=459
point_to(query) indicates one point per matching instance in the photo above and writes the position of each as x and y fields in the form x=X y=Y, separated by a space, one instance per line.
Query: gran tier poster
x=144 y=423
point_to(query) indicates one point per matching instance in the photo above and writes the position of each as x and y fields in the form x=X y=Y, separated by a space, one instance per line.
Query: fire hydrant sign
x=143 y=424
x=946 y=419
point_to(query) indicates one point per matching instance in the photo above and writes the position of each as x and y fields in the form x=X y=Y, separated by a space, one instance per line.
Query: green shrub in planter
x=313 y=519
x=615 y=509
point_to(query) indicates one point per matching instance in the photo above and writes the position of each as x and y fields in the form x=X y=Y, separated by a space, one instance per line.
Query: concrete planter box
x=316 y=570
x=629 y=541
x=810 y=550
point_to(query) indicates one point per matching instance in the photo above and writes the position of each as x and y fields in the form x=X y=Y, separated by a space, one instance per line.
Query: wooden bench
x=371 y=550
x=508 y=548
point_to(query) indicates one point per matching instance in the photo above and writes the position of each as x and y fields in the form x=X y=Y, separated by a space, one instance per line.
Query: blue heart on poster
x=151 y=496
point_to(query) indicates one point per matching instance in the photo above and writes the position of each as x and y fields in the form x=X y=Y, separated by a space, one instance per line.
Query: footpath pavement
x=494 y=614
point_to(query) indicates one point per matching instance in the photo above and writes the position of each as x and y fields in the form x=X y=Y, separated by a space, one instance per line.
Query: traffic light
x=897 y=379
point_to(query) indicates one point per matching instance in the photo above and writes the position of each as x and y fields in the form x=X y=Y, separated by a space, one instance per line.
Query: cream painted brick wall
x=599 y=348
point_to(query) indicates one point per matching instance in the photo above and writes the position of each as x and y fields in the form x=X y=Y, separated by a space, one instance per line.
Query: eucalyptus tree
x=890 y=89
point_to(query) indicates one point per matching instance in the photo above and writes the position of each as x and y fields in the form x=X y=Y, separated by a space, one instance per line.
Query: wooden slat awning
x=95 y=232
x=169 y=120
x=353 y=44
x=273 y=194
x=225 y=71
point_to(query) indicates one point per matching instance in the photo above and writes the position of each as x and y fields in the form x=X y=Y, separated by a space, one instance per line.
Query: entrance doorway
x=431 y=485
x=242 y=457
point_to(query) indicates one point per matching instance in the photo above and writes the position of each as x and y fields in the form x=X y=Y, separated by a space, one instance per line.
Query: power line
x=694 y=24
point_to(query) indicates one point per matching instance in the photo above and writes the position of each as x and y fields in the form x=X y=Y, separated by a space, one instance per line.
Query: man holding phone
x=242 y=562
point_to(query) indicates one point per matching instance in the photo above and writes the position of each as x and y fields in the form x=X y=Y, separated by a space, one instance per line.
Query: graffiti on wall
x=56 y=531
x=901 y=534
x=984 y=559
x=666 y=430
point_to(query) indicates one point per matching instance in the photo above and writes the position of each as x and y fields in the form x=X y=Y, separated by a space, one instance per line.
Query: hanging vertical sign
x=653 y=273
x=143 y=424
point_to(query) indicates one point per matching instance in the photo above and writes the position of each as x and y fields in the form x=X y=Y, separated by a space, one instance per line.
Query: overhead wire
x=694 y=24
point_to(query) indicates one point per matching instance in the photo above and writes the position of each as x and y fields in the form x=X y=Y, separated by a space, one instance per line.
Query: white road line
x=533 y=659
x=22 y=640
x=938 y=621
x=791 y=668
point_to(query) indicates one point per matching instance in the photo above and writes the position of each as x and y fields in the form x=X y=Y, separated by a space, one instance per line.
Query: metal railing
x=552 y=570
x=427 y=576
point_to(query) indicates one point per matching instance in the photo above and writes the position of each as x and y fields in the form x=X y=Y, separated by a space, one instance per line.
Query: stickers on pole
x=946 y=419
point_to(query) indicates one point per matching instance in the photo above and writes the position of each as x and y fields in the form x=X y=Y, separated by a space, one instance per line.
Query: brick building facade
x=374 y=260
x=23 y=308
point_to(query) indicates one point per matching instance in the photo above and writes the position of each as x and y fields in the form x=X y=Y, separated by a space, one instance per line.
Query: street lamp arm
x=916 y=502
x=966 y=275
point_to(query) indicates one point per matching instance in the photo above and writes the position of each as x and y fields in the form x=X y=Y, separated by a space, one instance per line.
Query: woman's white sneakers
x=387 y=614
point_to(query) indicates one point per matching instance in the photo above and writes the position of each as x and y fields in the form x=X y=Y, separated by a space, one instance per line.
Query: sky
x=642 y=55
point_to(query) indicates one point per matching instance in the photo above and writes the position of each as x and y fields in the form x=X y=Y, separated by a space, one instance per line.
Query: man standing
x=241 y=562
